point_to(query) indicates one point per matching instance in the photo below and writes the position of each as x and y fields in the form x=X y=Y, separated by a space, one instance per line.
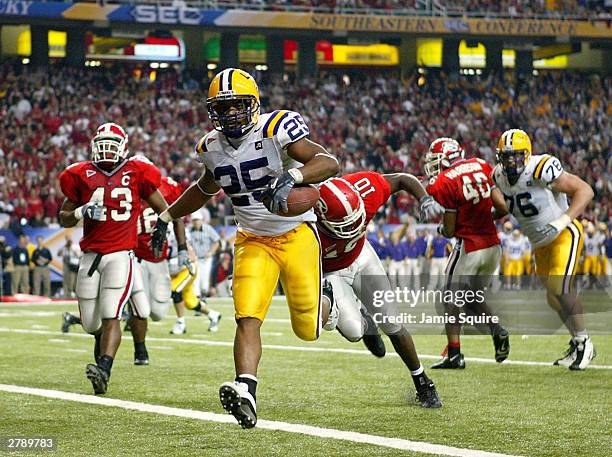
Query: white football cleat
x=214 y=317
x=236 y=400
x=585 y=352
x=569 y=357
x=179 y=328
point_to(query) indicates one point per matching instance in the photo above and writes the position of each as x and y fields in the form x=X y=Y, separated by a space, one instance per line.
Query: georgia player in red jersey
x=151 y=292
x=107 y=192
x=466 y=192
x=353 y=269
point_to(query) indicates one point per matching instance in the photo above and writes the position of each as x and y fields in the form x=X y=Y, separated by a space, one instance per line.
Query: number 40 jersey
x=244 y=168
x=465 y=189
x=531 y=200
x=120 y=191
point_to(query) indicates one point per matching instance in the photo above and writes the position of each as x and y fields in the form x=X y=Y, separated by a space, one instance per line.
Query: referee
x=205 y=242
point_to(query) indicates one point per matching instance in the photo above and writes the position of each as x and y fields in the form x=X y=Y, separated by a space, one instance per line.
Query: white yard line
x=319 y=432
x=313 y=348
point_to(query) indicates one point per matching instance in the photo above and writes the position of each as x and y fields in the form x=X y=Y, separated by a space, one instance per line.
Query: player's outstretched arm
x=405 y=181
x=192 y=199
x=318 y=163
x=66 y=215
x=447 y=227
x=578 y=190
x=499 y=204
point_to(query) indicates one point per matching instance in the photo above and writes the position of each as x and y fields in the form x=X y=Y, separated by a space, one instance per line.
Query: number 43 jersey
x=531 y=200
x=120 y=192
x=244 y=169
x=466 y=190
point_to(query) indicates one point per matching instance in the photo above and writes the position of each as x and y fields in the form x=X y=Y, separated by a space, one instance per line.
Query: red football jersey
x=120 y=191
x=466 y=189
x=171 y=191
x=375 y=191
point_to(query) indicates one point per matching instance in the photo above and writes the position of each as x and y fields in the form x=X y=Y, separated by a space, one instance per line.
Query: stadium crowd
x=48 y=119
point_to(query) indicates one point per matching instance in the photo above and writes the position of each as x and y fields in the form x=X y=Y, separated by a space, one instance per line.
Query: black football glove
x=158 y=238
x=275 y=196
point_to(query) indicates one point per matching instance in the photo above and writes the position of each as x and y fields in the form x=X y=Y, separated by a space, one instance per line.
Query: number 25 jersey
x=245 y=170
x=531 y=200
x=120 y=191
x=465 y=189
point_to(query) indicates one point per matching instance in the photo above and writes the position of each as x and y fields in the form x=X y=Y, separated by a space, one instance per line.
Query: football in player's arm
x=257 y=159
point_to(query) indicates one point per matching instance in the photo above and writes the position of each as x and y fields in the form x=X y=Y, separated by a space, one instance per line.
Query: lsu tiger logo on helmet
x=442 y=154
x=109 y=146
x=233 y=102
x=513 y=153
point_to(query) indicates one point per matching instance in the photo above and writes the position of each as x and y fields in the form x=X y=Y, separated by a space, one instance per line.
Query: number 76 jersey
x=465 y=189
x=530 y=199
x=120 y=191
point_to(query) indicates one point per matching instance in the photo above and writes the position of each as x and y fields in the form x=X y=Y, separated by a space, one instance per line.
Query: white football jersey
x=245 y=170
x=514 y=248
x=593 y=245
x=531 y=200
x=504 y=237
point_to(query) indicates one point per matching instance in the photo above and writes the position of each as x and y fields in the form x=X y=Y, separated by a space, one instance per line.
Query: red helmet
x=442 y=154
x=109 y=144
x=340 y=210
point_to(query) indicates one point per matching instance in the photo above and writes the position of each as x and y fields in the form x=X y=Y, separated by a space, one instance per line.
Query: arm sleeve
x=151 y=180
x=69 y=187
x=287 y=126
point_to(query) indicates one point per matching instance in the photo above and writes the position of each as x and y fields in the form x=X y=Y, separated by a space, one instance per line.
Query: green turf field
x=512 y=408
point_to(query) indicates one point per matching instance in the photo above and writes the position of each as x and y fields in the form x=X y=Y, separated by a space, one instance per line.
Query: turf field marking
x=58 y=340
x=76 y=350
x=295 y=348
x=319 y=432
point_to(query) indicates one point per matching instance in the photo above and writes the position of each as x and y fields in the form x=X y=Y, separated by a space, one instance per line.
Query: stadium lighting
x=154 y=65
x=211 y=66
x=25 y=61
x=163 y=65
x=535 y=72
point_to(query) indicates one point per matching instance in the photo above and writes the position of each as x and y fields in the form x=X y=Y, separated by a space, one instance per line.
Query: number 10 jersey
x=244 y=169
x=530 y=199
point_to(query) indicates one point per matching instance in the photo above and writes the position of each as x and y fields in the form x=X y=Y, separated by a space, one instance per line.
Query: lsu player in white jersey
x=513 y=254
x=257 y=159
x=593 y=250
x=536 y=189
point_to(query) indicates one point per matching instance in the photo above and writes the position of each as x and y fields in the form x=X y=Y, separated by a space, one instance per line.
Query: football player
x=514 y=267
x=355 y=272
x=107 y=192
x=536 y=189
x=464 y=189
x=257 y=159
x=152 y=280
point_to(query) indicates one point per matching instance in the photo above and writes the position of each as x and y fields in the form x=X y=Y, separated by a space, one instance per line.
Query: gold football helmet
x=233 y=102
x=513 y=153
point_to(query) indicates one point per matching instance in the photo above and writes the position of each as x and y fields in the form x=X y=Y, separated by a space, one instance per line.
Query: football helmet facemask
x=442 y=154
x=233 y=102
x=109 y=146
x=340 y=209
x=513 y=153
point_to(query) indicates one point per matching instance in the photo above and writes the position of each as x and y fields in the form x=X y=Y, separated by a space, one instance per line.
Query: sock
x=419 y=377
x=453 y=349
x=250 y=381
x=580 y=336
x=212 y=315
x=106 y=363
x=98 y=338
x=180 y=320
x=140 y=348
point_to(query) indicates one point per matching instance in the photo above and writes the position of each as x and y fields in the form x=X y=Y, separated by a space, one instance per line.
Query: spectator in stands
x=222 y=276
x=41 y=275
x=21 y=269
